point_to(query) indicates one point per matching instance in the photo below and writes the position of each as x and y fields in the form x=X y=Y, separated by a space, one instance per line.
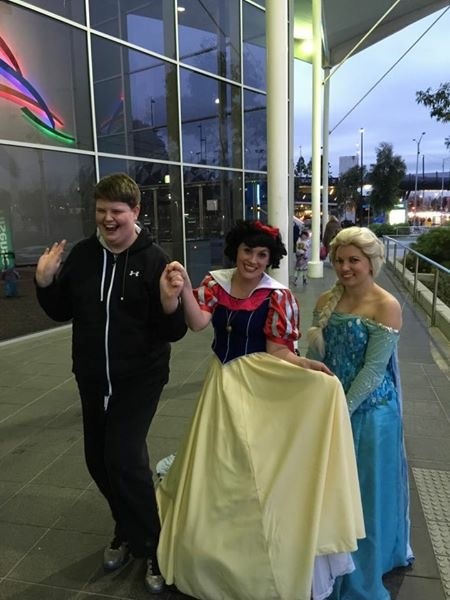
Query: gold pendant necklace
x=230 y=317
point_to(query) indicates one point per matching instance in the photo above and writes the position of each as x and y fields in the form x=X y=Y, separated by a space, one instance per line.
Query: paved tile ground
x=53 y=522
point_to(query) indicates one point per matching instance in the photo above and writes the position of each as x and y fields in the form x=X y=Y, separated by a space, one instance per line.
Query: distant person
x=109 y=287
x=331 y=229
x=10 y=278
x=347 y=223
x=297 y=229
x=355 y=331
x=302 y=256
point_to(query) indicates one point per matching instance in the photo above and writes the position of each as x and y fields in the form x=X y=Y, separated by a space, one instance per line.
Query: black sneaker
x=116 y=555
x=154 y=581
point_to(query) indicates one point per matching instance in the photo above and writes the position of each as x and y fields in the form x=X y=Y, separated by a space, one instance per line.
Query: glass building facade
x=172 y=92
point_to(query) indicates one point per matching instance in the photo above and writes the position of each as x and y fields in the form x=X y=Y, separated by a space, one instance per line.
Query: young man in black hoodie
x=109 y=287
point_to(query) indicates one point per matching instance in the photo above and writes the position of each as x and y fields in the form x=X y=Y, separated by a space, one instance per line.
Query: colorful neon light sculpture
x=23 y=93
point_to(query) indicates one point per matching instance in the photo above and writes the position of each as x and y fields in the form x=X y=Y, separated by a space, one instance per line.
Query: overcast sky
x=390 y=112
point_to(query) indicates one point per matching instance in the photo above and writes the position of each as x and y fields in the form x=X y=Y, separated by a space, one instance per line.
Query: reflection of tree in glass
x=83 y=183
x=147 y=142
x=255 y=136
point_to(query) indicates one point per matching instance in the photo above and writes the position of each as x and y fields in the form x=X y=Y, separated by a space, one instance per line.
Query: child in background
x=302 y=252
x=10 y=275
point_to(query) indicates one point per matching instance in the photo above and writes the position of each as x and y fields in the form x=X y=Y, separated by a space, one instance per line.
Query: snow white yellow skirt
x=265 y=481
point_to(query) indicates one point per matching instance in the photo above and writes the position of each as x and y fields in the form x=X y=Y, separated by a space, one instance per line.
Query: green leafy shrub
x=381 y=229
x=434 y=244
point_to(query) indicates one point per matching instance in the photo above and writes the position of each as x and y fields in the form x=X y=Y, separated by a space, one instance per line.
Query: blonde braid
x=315 y=333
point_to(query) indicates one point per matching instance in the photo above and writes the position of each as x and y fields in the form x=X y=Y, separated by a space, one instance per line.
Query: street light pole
x=443 y=179
x=417 y=171
x=361 y=156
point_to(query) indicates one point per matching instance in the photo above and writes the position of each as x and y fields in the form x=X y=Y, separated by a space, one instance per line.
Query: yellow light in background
x=303 y=49
x=303 y=31
x=303 y=40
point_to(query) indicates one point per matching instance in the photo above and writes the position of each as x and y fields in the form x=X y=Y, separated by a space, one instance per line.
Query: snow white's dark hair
x=255 y=233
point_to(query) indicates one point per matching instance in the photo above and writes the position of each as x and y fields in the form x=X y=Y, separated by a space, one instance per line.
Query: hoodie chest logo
x=135 y=273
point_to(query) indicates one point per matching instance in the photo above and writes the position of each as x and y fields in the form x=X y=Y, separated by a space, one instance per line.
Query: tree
x=303 y=169
x=349 y=189
x=385 y=176
x=438 y=102
x=300 y=168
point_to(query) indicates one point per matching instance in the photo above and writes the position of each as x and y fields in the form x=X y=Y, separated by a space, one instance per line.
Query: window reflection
x=150 y=25
x=209 y=36
x=256 y=196
x=73 y=10
x=161 y=207
x=47 y=196
x=255 y=131
x=133 y=110
x=45 y=94
x=254 y=26
x=212 y=203
x=211 y=122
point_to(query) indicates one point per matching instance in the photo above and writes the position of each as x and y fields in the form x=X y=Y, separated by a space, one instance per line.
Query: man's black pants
x=117 y=457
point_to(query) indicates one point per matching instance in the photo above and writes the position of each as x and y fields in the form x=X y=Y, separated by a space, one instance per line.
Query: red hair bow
x=274 y=232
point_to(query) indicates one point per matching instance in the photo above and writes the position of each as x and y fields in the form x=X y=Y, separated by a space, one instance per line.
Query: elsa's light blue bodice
x=361 y=352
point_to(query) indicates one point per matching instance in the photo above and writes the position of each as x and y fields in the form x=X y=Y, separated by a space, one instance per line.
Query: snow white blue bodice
x=239 y=332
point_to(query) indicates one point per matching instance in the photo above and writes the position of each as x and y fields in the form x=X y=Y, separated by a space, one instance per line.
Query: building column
x=277 y=125
x=325 y=145
x=315 y=266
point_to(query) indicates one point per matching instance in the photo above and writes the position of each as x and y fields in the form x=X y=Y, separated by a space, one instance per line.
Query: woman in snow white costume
x=262 y=501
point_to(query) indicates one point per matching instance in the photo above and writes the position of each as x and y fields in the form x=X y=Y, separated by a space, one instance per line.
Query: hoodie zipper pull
x=124 y=273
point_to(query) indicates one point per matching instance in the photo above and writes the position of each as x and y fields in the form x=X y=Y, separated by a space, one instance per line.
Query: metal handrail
x=436 y=268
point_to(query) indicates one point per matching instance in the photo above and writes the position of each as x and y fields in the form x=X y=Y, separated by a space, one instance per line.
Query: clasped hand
x=174 y=279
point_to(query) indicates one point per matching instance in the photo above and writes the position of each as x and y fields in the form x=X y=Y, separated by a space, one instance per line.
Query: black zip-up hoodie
x=119 y=328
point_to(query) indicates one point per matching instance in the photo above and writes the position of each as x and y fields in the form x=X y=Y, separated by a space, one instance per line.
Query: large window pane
x=44 y=81
x=212 y=203
x=254 y=27
x=211 y=120
x=73 y=10
x=255 y=131
x=161 y=206
x=47 y=196
x=135 y=101
x=209 y=36
x=150 y=25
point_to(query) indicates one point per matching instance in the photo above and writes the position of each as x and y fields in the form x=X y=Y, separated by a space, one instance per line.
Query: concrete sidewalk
x=54 y=524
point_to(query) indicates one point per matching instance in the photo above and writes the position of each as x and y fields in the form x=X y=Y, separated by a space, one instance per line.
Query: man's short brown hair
x=118 y=187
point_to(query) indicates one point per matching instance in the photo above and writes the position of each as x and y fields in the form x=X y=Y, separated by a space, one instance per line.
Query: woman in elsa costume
x=355 y=332
x=262 y=500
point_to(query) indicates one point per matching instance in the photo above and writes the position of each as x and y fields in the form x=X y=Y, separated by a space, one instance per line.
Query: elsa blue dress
x=363 y=355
